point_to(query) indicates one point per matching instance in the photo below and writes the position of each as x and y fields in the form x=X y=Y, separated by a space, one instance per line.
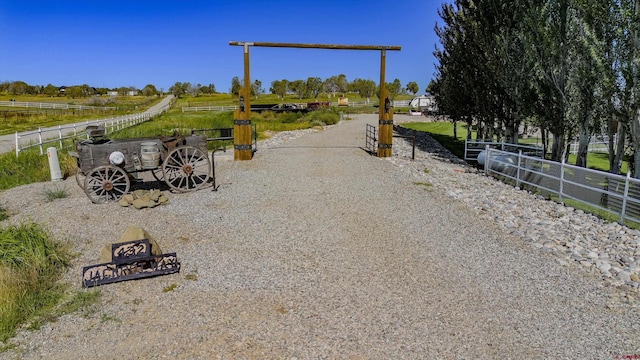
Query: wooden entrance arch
x=242 y=117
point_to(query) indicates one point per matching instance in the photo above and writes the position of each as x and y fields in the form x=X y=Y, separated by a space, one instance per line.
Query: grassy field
x=17 y=119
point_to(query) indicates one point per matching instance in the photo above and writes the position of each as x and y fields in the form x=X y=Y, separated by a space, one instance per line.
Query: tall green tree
x=364 y=87
x=256 y=88
x=235 y=86
x=630 y=70
x=314 y=87
x=412 y=87
x=299 y=88
x=279 y=87
x=149 y=90
x=394 y=88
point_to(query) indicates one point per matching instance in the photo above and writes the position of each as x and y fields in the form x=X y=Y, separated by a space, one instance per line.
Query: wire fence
x=601 y=192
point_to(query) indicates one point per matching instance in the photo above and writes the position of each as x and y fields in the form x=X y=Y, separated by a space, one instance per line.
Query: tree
x=365 y=88
x=630 y=71
x=342 y=84
x=314 y=86
x=50 y=90
x=194 y=90
x=149 y=90
x=18 y=87
x=330 y=86
x=235 y=86
x=279 y=87
x=299 y=88
x=74 y=92
x=178 y=89
x=412 y=87
x=256 y=88
x=394 y=88
x=209 y=89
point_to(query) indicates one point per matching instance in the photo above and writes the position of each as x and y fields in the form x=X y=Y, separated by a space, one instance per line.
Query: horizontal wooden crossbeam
x=315 y=46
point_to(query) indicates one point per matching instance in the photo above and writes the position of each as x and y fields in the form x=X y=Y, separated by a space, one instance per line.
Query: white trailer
x=422 y=104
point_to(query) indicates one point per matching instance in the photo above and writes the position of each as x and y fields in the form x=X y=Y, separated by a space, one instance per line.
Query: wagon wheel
x=186 y=168
x=80 y=178
x=80 y=175
x=106 y=183
x=158 y=174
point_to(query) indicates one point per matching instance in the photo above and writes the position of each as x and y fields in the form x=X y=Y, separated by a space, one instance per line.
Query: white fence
x=599 y=144
x=614 y=194
x=473 y=147
x=40 y=105
x=41 y=137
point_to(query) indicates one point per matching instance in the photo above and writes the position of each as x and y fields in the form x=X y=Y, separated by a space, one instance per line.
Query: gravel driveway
x=316 y=250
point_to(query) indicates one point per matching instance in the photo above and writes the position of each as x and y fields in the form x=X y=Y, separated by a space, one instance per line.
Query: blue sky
x=134 y=43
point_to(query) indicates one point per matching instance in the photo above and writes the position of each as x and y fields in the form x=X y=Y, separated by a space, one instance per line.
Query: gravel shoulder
x=315 y=249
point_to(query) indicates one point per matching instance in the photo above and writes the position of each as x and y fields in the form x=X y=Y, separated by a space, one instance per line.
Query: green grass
x=30 y=167
x=55 y=192
x=229 y=100
x=17 y=119
x=30 y=267
x=176 y=120
x=442 y=132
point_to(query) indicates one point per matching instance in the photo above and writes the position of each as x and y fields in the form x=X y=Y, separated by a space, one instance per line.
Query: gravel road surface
x=316 y=250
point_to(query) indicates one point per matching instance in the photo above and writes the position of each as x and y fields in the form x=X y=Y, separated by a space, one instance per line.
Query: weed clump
x=30 y=265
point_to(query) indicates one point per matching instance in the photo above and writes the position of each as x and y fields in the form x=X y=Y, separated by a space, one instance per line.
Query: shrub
x=323 y=117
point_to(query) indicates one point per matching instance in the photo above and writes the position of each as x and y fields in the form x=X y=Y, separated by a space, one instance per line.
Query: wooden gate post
x=385 y=112
x=242 y=116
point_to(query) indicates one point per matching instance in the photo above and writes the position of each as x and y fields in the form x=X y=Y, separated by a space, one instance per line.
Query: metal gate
x=371 y=139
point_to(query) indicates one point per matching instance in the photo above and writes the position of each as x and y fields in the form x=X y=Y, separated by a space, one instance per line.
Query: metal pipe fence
x=600 y=191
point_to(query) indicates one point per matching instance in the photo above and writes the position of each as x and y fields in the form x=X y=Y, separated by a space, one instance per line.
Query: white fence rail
x=473 y=147
x=614 y=194
x=599 y=144
x=40 y=105
x=40 y=137
x=209 y=108
x=62 y=132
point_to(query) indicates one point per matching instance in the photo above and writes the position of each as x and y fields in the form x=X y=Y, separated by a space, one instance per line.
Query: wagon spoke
x=106 y=183
x=186 y=169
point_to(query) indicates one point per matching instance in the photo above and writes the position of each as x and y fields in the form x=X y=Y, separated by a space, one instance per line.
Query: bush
x=289 y=117
x=323 y=117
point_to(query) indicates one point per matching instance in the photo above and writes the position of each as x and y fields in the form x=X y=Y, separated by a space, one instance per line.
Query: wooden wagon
x=106 y=167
